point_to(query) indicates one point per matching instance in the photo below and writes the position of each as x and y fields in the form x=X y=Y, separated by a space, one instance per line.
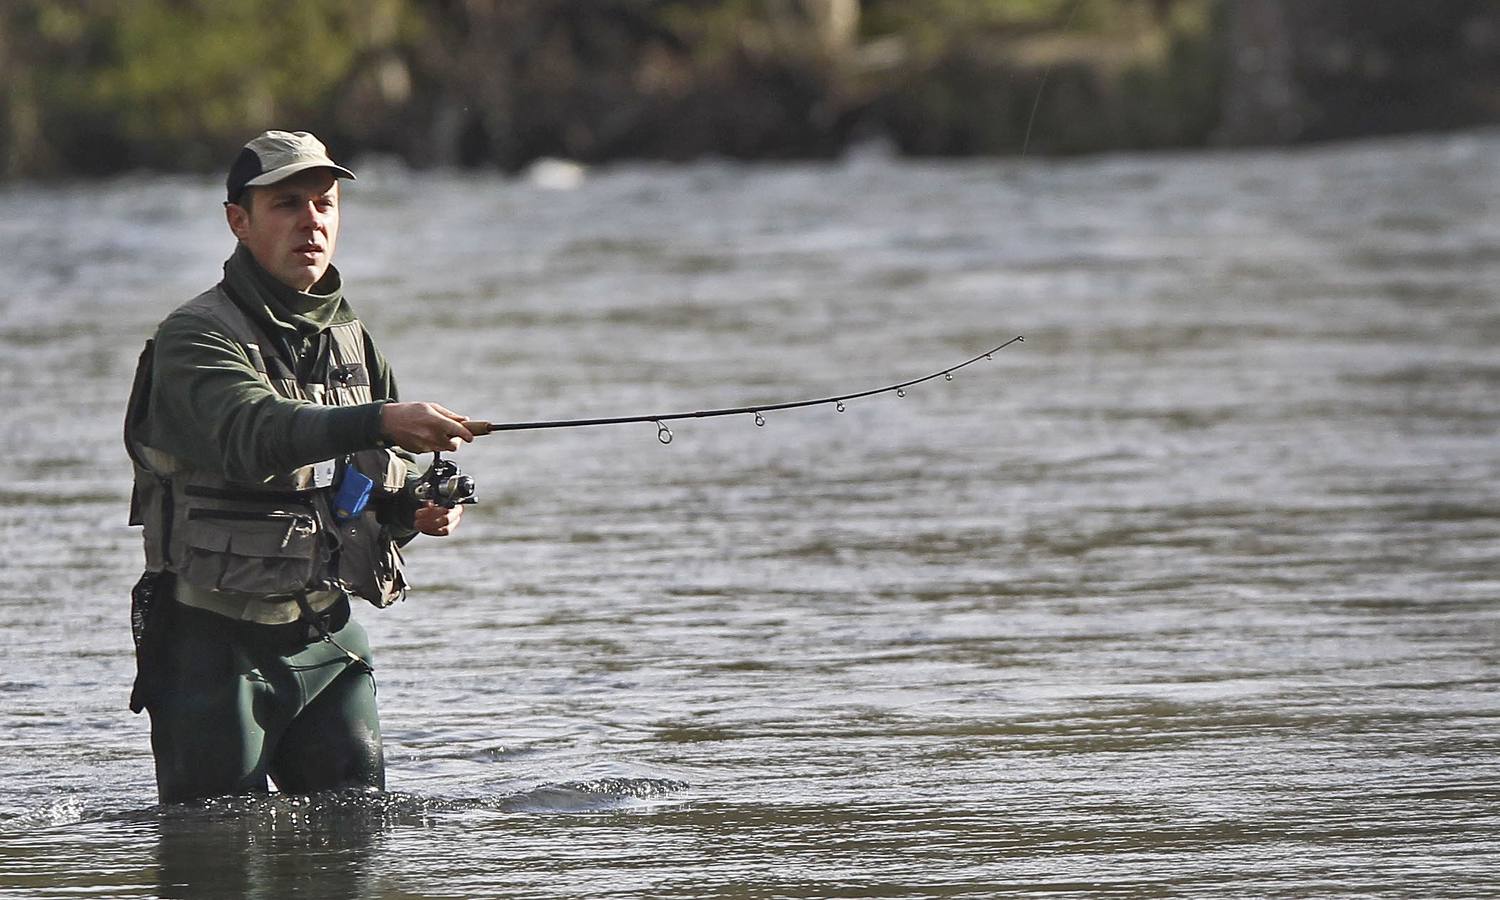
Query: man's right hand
x=423 y=427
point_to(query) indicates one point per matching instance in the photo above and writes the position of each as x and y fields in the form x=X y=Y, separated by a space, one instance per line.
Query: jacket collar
x=277 y=307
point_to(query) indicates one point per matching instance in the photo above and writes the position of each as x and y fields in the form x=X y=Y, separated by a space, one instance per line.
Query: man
x=261 y=428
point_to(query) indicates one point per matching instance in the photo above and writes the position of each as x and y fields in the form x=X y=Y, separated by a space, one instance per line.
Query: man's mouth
x=311 y=249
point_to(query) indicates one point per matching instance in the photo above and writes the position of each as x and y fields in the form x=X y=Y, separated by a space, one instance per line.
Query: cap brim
x=288 y=171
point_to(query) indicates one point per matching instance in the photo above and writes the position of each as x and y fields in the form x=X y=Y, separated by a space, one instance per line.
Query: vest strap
x=246 y=494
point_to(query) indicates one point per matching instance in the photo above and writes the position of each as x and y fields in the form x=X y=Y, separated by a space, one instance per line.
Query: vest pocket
x=249 y=551
x=370 y=564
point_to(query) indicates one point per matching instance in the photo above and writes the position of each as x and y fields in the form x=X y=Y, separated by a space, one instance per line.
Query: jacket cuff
x=342 y=429
x=373 y=431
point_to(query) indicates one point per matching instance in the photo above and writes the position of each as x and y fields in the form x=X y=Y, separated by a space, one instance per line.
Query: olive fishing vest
x=280 y=538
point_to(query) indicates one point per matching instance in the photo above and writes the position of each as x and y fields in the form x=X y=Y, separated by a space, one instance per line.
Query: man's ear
x=238 y=218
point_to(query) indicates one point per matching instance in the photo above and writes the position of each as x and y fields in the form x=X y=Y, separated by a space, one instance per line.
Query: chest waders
x=233 y=700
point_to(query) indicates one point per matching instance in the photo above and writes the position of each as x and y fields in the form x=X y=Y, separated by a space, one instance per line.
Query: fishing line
x=664 y=434
x=1036 y=102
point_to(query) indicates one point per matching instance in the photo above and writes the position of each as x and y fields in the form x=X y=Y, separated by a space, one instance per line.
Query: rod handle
x=479 y=427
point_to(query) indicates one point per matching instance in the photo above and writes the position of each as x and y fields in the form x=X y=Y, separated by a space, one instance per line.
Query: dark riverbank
x=90 y=89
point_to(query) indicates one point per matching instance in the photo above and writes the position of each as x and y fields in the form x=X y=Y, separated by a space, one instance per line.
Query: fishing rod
x=664 y=434
x=479 y=427
x=446 y=485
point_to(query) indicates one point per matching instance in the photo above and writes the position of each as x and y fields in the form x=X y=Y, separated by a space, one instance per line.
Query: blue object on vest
x=352 y=495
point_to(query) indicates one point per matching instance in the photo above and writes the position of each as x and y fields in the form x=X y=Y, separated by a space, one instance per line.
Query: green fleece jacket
x=210 y=408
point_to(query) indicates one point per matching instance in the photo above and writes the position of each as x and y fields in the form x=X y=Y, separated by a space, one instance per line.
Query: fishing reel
x=443 y=484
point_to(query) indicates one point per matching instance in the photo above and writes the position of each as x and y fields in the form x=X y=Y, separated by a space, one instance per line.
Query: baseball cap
x=274 y=155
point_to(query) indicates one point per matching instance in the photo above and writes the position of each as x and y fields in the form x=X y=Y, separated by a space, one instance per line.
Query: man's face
x=290 y=227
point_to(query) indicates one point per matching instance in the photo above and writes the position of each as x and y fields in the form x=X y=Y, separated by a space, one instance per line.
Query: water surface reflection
x=1192 y=594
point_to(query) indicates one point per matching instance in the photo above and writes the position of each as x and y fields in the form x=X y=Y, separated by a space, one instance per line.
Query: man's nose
x=311 y=216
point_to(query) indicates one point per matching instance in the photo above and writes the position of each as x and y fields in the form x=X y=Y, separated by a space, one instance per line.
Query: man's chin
x=302 y=277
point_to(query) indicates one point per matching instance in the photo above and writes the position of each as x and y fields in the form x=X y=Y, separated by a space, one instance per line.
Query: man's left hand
x=438 y=521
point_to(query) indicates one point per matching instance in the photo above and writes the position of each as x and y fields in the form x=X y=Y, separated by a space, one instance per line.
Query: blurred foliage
x=1081 y=74
x=99 y=86
x=933 y=25
x=172 y=83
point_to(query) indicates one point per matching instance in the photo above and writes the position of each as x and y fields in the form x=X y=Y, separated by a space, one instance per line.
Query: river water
x=1192 y=593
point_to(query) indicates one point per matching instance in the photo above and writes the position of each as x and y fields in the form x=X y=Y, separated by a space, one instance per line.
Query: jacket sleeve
x=383 y=389
x=210 y=407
